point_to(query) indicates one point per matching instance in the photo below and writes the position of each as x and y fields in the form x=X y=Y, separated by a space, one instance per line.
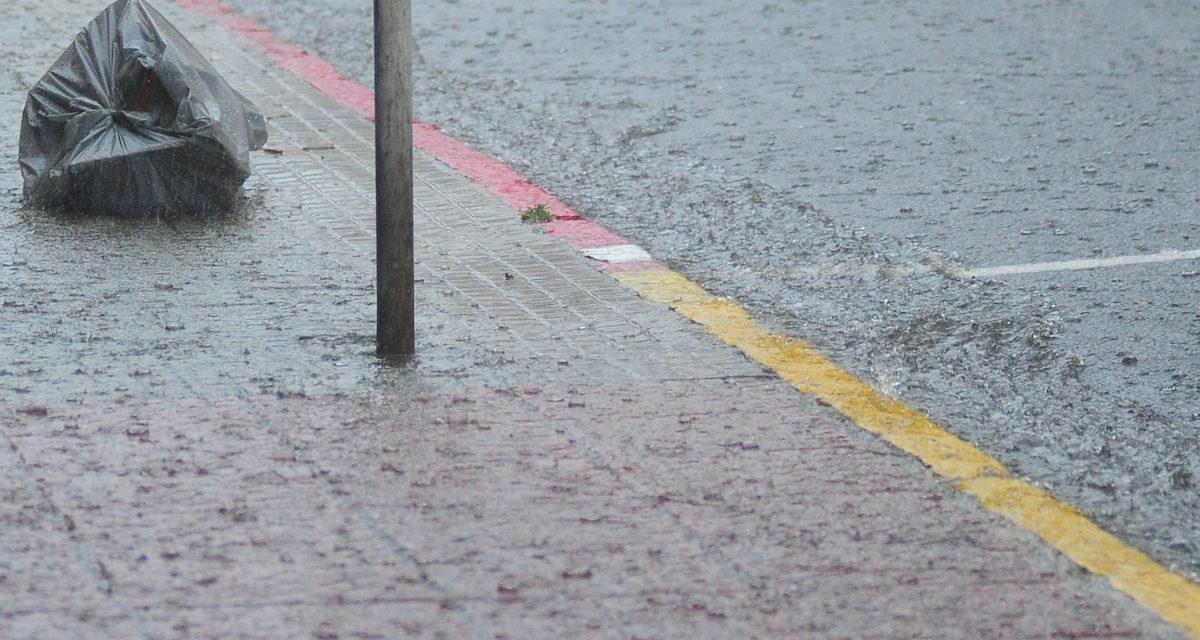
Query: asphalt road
x=845 y=168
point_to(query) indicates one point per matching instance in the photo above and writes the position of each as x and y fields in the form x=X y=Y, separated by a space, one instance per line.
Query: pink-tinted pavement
x=704 y=508
x=196 y=441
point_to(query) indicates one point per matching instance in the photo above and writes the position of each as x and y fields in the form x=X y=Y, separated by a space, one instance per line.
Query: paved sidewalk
x=196 y=440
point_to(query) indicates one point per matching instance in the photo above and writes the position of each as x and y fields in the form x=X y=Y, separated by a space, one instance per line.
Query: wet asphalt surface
x=198 y=441
x=832 y=164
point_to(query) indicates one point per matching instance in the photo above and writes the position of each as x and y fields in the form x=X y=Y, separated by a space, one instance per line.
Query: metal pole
x=395 y=330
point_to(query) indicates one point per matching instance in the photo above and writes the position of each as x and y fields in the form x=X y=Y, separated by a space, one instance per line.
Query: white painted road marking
x=1076 y=265
x=618 y=254
x=849 y=269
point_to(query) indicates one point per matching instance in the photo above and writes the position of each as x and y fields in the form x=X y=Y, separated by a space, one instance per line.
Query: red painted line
x=513 y=188
x=584 y=234
x=314 y=69
x=497 y=178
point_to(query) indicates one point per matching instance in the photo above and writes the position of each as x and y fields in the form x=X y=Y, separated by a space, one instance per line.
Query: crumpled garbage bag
x=133 y=121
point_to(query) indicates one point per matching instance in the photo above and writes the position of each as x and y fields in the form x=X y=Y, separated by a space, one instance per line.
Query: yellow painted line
x=1170 y=595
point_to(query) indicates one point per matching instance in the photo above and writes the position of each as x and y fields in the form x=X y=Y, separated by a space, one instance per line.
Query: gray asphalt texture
x=830 y=164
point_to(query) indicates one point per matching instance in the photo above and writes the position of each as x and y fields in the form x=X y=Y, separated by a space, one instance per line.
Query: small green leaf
x=537 y=213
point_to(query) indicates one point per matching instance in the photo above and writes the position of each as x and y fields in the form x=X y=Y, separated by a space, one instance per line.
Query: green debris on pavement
x=537 y=213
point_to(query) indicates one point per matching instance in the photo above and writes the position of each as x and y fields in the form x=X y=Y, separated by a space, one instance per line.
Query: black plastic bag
x=131 y=120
